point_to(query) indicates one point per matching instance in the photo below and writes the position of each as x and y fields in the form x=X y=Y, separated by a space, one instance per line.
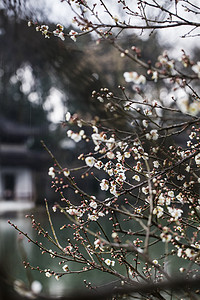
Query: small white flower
x=93 y=204
x=98 y=244
x=158 y=210
x=136 y=177
x=109 y=262
x=180 y=177
x=152 y=135
x=104 y=185
x=76 y=137
x=48 y=274
x=190 y=252
x=98 y=164
x=171 y=194
x=156 y=164
x=179 y=197
x=145 y=190
x=187 y=169
x=127 y=154
x=61 y=36
x=90 y=161
x=51 y=253
x=180 y=252
x=110 y=155
x=54 y=208
x=69 y=133
x=73 y=35
x=101 y=214
x=166 y=237
x=161 y=199
x=52 y=172
x=155 y=261
x=114 y=235
x=66 y=172
x=175 y=212
x=155 y=76
x=192 y=135
x=92 y=217
x=65 y=268
x=145 y=123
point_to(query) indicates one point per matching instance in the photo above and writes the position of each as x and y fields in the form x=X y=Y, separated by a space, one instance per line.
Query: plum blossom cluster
x=142 y=175
x=44 y=29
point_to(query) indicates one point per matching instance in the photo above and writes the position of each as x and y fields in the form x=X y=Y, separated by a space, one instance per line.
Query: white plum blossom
x=61 y=36
x=90 y=161
x=179 y=197
x=127 y=154
x=65 y=268
x=104 y=185
x=187 y=169
x=155 y=261
x=51 y=253
x=54 y=208
x=175 y=212
x=156 y=164
x=190 y=252
x=98 y=164
x=171 y=194
x=52 y=172
x=161 y=199
x=136 y=177
x=73 y=35
x=109 y=262
x=145 y=123
x=59 y=32
x=192 y=135
x=93 y=204
x=77 y=137
x=74 y=211
x=110 y=155
x=152 y=135
x=98 y=244
x=119 y=156
x=158 y=210
x=166 y=237
x=110 y=143
x=113 y=189
x=96 y=138
x=47 y=273
x=180 y=252
x=155 y=76
x=66 y=172
x=145 y=190
x=93 y=217
x=180 y=177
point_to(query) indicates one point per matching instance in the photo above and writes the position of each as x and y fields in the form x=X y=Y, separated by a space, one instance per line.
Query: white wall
x=24 y=187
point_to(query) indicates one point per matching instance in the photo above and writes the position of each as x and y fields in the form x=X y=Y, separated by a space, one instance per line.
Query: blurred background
x=40 y=80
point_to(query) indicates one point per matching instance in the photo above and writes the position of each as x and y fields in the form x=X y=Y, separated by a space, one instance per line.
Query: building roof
x=13 y=131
